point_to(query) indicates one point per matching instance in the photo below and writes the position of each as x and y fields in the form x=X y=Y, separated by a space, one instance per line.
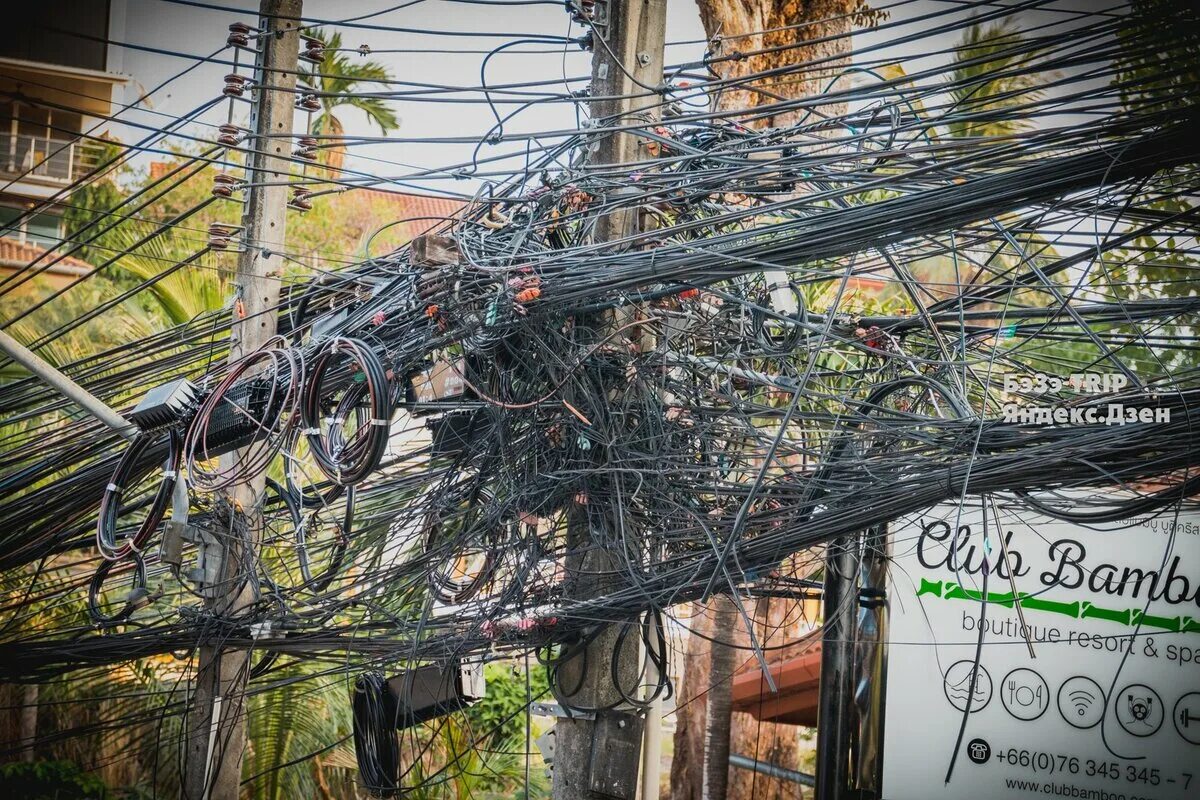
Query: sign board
x=1109 y=709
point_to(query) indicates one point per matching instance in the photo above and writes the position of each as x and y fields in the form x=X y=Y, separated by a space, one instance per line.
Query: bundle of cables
x=376 y=745
x=139 y=594
x=265 y=409
x=111 y=507
x=348 y=458
x=654 y=643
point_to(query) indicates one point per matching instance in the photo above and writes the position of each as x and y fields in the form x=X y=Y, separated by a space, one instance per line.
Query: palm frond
x=339 y=82
x=991 y=81
x=300 y=715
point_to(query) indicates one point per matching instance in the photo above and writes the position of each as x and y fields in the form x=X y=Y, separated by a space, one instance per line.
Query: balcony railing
x=47 y=160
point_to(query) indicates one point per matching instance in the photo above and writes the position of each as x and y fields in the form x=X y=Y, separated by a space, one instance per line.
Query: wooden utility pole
x=216 y=729
x=598 y=757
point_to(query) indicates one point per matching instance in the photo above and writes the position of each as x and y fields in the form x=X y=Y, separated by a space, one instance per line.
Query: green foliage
x=500 y=716
x=458 y=765
x=1158 y=67
x=87 y=203
x=128 y=321
x=303 y=714
x=988 y=77
x=1159 y=63
x=51 y=780
x=338 y=81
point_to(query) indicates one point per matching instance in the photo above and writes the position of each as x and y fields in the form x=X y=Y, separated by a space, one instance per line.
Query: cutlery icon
x=1025 y=694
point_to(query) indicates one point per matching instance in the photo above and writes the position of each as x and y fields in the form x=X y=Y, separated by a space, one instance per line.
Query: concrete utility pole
x=598 y=757
x=216 y=727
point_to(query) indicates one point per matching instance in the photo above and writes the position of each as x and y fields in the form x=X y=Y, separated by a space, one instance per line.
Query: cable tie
x=112 y=487
x=380 y=422
x=311 y=431
x=169 y=473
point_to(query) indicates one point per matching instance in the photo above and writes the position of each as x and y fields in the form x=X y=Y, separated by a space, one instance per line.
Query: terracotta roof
x=867 y=283
x=796 y=671
x=404 y=205
x=14 y=253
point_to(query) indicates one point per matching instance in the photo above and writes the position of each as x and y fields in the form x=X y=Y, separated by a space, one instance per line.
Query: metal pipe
x=836 y=691
x=773 y=770
x=66 y=387
x=870 y=665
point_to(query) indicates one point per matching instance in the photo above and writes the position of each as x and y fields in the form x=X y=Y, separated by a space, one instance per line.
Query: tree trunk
x=737 y=25
x=333 y=155
x=29 y=715
x=723 y=660
x=747 y=26
x=776 y=621
x=691 y=710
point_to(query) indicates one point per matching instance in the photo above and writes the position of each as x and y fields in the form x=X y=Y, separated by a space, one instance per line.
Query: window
x=67 y=32
x=44 y=230
x=39 y=142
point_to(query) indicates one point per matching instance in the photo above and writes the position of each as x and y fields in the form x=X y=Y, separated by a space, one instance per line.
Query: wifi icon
x=1081 y=702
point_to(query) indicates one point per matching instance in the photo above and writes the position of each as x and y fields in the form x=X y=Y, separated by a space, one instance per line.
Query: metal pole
x=598 y=757
x=217 y=724
x=66 y=387
x=774 y=770
x=836 y=692
x=870 y=667
x=652 y=742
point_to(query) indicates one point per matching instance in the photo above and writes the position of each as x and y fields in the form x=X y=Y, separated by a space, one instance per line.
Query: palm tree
x=991 y=77
x=336 y=82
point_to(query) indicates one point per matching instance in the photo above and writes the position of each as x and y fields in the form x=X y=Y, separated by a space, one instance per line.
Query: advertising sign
x=1107 y=706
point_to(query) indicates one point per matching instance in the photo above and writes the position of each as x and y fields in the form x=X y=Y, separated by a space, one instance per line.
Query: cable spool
x=110 y=501
x=346 y=460
x=263 y=413
x=472 y=560
x=139 y=595
x=793 y=333
x=376 y=743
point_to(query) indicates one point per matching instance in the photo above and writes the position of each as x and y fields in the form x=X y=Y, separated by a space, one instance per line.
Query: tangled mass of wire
x=512 y=436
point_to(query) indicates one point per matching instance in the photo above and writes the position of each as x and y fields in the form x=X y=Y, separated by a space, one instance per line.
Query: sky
x=199 y=31
x=460 y=35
